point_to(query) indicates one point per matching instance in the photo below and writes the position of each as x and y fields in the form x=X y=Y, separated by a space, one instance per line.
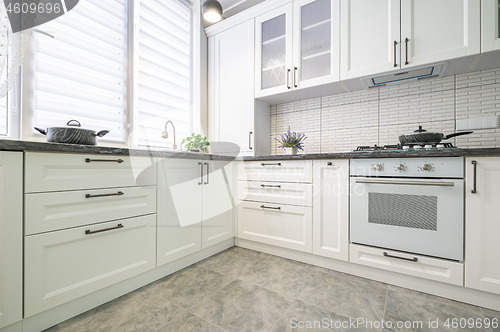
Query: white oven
x=411 y=205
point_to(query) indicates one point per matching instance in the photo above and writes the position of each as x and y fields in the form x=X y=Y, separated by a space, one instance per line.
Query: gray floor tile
x=302 y=316
x=242 y=306
x=491 y=313
x=287 y=277
x=188 y=322
x=234 y=261
x=56 y=328
x=494 y=317
x=406 y=305
x=190 y=285
x=347 y=295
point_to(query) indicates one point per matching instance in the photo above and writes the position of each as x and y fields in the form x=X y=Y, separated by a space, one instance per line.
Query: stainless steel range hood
x=405 y=76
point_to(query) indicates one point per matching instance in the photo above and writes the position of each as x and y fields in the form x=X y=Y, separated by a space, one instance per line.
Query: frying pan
x=422 y=136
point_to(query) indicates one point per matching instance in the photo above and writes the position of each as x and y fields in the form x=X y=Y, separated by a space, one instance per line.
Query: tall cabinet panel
x=316 y=42
x=273 y=54
x=490 y=26
x=482 y=229
x=370 y=36
x=438 y=30
x=11 y=237
x=180 y=184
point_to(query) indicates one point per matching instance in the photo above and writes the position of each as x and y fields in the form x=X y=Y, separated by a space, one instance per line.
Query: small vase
x=291 y=151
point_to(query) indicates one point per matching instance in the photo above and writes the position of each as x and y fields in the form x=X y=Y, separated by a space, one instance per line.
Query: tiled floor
x=241 y=290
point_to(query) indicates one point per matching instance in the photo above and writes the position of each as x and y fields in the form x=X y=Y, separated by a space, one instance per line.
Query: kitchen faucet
x=165 y=133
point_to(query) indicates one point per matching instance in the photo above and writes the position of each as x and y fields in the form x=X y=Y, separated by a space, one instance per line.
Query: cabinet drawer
x=280 y=225
x=57 y=171
x=281 y=170
x=425 y=267
x=58 y=210
x=276 y=192
x=65 y=265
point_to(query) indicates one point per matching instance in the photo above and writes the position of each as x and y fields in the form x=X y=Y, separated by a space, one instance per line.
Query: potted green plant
x=196 y=143
x=292 y=141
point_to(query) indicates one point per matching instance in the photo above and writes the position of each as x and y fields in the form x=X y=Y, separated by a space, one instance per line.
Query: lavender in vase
x=292 y=140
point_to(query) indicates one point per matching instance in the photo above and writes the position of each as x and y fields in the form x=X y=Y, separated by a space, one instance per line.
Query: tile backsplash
x=378 y=116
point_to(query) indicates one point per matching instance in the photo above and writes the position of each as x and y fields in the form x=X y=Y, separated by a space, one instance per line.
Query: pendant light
x=212 y=11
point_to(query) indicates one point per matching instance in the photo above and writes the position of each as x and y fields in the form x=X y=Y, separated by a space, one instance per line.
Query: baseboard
x=457 y=293
x=71 y=309
x=16 y=327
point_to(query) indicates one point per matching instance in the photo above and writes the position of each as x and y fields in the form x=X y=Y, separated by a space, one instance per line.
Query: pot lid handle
x=77 y=124
x=420 y=130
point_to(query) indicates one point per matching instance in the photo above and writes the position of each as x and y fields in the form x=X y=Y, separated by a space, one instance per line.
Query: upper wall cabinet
x=490 y=26
x=370 y=34
x=438 y=30
x=382 y=35
x=297 y=46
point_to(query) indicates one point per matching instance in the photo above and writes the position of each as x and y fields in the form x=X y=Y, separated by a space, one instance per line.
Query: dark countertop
x=15 y=145
x=383 y=154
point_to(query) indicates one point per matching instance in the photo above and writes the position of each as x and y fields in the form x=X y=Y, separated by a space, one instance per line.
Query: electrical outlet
x=487 y=122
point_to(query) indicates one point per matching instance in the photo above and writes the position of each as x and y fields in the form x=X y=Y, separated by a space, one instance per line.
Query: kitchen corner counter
x=381 y=154
x=16 y=145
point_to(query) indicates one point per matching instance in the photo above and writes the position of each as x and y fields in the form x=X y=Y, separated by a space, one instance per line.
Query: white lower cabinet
x=331 y=208
x=286 y=226
x=418 y=266
x=64 y=265
x=482 y=226
x=276 y=192
x=11 y=237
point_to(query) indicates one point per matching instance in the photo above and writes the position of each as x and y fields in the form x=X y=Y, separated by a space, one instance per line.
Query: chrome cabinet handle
x=270 y=207
x=414 y=259
x=270 y=186
x=250 y=140
x=208 y=171
x=119 y=161
x=104 y=195
x=288 y=78
x=406 y=47
x=329 y=163
x=201 y=174
x=395 y=53
x=410 y=183
x=271 y=164
x=474 y=177
x=295 y=76
x=88 y=231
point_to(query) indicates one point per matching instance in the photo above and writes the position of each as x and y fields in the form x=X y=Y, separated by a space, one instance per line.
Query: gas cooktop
x=399 y=147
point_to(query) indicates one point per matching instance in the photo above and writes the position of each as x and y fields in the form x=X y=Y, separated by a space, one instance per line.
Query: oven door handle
x=410 y=183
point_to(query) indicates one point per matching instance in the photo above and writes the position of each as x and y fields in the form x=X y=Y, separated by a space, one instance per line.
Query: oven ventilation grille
x=412 y=211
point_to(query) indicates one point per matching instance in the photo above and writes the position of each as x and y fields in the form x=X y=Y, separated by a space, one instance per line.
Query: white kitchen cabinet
x=276 y=170
x=218 y=207
x=482 y=229
x=297 y=46
x=179 y=186
x=11 y=237
x=231 y=95
x=331 y=208
x=64 y=265
x=434 y=31
x=276 y=192
x=490 y=25
x=370 y=36
x=282 y=225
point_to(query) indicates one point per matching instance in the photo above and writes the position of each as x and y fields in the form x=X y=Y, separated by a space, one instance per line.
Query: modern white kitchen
x=249 y=165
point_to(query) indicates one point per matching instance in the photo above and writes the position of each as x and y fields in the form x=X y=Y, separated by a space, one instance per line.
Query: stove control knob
x=426 y=167
x=400 y=167
x=377 y=167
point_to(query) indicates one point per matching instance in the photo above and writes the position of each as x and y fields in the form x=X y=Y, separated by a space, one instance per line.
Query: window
x=162 y=75
x=82 y=72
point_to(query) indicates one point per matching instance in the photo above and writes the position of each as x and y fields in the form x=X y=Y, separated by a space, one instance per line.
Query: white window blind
x=82 y=73
x=162 y=71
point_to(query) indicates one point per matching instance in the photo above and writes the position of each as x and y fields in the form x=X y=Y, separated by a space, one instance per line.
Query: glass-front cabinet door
x=490 y=25
x=273 y=56
x=316 y=42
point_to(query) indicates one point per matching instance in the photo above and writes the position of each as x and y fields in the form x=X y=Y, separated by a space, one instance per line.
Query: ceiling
x=232 y=7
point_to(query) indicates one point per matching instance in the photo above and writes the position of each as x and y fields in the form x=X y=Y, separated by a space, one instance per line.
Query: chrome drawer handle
x=271 y=164
x=270 y=207
x=410 y=183
x=270 y=186
x=88 y=231
x=474 y=179
x=414 y=259
x=119 y=161
x=104 y=195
